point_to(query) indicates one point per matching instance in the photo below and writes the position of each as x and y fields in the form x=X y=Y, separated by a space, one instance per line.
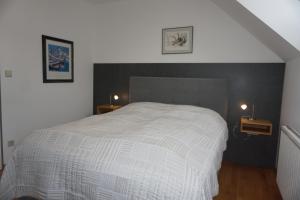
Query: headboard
x=209 y=93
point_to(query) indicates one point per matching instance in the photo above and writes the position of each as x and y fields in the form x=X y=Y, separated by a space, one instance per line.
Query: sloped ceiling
x=283 y=16
x=259 y=29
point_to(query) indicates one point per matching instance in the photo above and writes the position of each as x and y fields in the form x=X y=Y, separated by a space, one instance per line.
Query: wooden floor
x=244 y=183
x=247 y=183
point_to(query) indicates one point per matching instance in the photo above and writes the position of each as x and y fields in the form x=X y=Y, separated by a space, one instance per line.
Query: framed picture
x=58 y=60
x=177 y=40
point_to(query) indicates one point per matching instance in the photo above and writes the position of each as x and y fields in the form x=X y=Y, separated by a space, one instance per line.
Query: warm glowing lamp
x=114 y=97
x=244 y=106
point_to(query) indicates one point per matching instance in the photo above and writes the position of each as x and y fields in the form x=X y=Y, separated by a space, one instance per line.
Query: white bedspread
x=145 y=151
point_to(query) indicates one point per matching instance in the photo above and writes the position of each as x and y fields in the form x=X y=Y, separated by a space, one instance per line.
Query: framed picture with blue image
x=58 y=60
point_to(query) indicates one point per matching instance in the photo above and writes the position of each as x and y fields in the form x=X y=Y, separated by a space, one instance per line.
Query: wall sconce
x=244 y=107
x=116 y=97
x=113 y=97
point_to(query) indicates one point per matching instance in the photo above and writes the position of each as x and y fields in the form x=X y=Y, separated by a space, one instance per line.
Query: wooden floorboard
x=247 y=183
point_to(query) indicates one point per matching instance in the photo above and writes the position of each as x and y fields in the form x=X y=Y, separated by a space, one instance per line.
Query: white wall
x=283 y=16
x=27 y=103
x=290 y=114
x=130 y=31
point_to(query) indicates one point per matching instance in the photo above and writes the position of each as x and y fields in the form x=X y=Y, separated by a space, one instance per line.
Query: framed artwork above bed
x=58 y=60
x=177 y=40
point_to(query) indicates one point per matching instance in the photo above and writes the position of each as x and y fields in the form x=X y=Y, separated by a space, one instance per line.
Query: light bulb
x=244 y=106
x=116 y=97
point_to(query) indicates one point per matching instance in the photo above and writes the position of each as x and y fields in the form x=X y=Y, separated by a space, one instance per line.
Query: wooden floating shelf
x=256 y=127
x=106 y=108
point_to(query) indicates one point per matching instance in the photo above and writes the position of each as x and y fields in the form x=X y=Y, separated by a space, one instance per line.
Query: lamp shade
x=244 y=106
x=116 y=97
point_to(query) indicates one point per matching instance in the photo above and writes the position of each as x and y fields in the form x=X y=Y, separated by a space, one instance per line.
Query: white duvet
x=147 y=151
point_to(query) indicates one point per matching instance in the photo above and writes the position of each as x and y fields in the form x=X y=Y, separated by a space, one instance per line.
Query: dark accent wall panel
x=253 y=83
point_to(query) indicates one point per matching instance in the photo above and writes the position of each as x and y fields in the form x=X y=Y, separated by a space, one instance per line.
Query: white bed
x=147 y=151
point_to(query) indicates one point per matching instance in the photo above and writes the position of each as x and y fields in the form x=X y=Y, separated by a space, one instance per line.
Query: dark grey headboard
x=209 y=93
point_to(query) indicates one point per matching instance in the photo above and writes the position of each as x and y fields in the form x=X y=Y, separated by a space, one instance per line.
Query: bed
x=145 y=150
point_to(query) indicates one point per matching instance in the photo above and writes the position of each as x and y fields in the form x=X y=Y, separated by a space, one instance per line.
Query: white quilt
x=145 y=151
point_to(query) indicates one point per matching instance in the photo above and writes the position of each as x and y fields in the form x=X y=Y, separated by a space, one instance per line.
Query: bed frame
x=209 y=93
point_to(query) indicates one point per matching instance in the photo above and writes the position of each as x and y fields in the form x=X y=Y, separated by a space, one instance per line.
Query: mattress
x=142 y=151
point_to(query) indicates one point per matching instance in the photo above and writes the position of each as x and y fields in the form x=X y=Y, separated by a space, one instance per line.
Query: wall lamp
x=113 y=98
x=245 y=106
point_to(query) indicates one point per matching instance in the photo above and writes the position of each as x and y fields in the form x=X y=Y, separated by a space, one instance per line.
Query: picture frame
x=177 y=40
x=58 y=60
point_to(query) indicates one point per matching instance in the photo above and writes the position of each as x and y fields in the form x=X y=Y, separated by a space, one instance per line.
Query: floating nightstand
x=105 y=108
x=252 y=126
x=256 y=127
